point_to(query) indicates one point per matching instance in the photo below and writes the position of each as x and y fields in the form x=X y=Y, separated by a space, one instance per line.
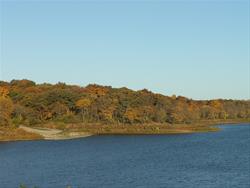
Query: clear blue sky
x=199 y=49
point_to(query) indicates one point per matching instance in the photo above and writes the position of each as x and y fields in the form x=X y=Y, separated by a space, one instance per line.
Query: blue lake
x=204 y=160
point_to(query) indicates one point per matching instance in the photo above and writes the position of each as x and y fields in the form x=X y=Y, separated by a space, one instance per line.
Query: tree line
x=25 y=102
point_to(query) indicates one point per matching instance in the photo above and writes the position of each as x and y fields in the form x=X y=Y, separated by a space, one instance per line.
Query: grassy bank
x=70 y=131
x=142 y=129
x=15 y=134
x=155 y=128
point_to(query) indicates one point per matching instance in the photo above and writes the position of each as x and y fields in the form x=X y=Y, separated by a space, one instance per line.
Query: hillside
x=23 y=102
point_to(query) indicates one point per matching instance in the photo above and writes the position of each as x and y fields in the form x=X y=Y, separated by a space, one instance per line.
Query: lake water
x=204 y=160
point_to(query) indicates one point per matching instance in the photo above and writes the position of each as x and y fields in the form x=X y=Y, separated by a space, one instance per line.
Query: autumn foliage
x=25 y=102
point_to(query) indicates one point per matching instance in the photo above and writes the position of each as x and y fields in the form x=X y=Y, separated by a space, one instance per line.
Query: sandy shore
x=54 y=134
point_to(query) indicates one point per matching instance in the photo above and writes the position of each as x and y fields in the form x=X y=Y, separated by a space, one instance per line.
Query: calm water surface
x=203 y=160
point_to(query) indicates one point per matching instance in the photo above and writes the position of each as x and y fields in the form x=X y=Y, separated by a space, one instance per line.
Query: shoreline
x=46 y=133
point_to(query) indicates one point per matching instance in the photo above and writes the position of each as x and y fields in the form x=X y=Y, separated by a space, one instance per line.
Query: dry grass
x=13 y=134
x=153 y=128
x=79 y=130
x=99 y=129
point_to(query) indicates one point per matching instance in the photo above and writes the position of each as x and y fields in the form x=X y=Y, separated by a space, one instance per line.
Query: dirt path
x=54 y=134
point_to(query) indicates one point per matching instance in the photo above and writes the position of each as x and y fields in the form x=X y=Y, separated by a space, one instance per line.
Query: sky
x=198 y=49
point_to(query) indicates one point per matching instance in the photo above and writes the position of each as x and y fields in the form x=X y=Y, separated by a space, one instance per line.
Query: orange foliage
x=83 y=103
x=96 y=90
x=4 y=91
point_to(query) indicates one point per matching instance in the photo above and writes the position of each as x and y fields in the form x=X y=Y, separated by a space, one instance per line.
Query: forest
x=23 y=102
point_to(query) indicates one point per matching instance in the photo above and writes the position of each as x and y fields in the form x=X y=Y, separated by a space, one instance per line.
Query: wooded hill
x=28 y=103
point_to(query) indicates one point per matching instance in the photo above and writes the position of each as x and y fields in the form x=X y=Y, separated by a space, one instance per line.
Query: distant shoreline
x=61 y=111
x=24 y=133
